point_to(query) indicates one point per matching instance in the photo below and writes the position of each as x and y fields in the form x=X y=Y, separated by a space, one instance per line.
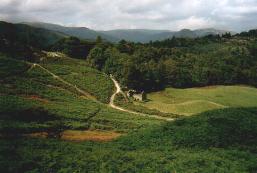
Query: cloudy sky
x=236 y=15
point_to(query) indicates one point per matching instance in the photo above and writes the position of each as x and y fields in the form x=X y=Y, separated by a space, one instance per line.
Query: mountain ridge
x=134 y=35
x=80 y=32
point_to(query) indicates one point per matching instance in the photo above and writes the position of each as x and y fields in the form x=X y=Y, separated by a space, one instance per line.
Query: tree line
x=180 y=62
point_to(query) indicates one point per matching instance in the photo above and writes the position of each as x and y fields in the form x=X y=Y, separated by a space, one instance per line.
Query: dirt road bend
x=118 y=90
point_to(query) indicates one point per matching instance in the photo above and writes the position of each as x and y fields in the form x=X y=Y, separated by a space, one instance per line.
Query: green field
x=196 y=100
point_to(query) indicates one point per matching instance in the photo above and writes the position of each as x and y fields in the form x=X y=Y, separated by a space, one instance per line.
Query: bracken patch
x=88 y=135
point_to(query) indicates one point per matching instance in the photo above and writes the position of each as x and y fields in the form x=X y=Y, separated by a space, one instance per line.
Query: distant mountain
x=80 y=32
x=211 y=31
x=142 y=35
x=134 y=35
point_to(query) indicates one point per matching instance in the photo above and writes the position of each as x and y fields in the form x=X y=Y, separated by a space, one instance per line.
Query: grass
x=186 y=145
x=76 y=71
x=34 y=92
x=196 y=100
x=128 y=104
x=39 y=108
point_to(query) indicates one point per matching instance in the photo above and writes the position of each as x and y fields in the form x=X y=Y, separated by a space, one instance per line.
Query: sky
x=234 y=15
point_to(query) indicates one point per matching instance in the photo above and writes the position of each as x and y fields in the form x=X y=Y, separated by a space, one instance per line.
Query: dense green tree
x=180 y=62
x=73 y=47
x=99 y=40
x=96 y=57
x=125 y=47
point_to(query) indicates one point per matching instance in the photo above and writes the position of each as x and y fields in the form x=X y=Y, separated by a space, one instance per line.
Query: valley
x=64 y=104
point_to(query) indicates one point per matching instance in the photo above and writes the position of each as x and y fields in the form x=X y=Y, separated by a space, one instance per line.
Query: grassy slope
x=196 y=100
x=34 y=101
x=34 y=93
x=76 y=72
x=187 y=145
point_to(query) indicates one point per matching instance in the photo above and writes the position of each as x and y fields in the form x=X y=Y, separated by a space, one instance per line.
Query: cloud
x=195 y=23
x=153 y=14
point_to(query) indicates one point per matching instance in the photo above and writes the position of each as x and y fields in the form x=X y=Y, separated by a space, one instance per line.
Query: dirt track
x=65 y=82
x=118 y=90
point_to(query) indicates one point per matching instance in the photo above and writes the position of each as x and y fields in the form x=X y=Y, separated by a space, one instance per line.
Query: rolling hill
x=25 y=34
x=134 y=35
x=143 y=35
x=58 y=94
x=80 y=32
x=55 y=114
x=20 y=41
x=46 y=125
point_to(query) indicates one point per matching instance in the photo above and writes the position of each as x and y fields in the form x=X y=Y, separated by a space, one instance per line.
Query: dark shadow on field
x=32 y=114
x=217 y=128
x=222 y=128
x=18 y=122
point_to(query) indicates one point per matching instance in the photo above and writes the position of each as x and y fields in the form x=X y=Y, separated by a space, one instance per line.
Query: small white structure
x=136 y=95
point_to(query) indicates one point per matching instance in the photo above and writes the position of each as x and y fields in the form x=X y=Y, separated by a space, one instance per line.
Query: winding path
x=118 y=90
x=84 y=93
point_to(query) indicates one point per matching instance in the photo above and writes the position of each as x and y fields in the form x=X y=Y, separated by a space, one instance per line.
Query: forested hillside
x=73 y=47
x=20 y=40
x=181 y=62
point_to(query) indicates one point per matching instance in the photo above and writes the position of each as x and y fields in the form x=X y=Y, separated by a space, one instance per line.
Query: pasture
x=196 y=100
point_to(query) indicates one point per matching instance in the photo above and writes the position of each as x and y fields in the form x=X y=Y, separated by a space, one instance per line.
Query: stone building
x=136 y=95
